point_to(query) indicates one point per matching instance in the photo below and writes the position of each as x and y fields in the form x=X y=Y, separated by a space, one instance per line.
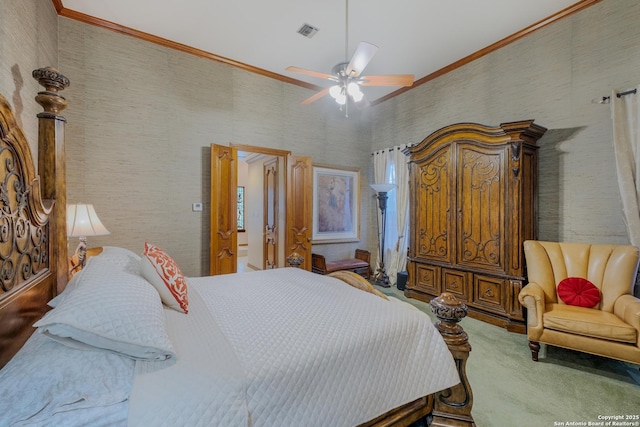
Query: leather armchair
x=611 y=328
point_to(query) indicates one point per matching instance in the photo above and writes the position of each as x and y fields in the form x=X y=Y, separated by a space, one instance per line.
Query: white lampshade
x=335 y=91
x=82 y=220
x=353 y=89
x=383 y=188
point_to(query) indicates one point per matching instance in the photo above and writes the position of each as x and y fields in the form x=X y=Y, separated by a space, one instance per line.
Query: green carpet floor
x=563 y=388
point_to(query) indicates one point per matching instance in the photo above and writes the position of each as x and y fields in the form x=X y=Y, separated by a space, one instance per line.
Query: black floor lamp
x=380 y=277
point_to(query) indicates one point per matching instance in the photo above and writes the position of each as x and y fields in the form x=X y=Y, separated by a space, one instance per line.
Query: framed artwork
x=336 y=204
x=240 y=206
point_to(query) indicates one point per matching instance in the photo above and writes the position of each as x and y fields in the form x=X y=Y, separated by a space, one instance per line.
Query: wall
x=550 y=76
x=141 y=121
x=28 y=40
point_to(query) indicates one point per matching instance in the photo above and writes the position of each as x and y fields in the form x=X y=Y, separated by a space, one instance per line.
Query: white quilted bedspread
x=286 y=347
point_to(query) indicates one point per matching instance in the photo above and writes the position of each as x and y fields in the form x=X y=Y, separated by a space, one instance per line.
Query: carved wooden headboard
x=32 y=216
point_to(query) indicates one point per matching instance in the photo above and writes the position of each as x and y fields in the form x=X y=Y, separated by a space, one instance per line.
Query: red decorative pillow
x=579 y=292
x=165 y=275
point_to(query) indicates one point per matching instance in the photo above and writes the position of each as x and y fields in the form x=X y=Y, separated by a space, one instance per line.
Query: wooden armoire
x=473 y=202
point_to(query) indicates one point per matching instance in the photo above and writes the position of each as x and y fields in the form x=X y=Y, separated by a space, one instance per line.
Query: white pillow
x=109 y=254
x=165 y=275
x=111 y=307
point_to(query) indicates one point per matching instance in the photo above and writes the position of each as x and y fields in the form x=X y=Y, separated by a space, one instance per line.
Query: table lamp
x=82 y=221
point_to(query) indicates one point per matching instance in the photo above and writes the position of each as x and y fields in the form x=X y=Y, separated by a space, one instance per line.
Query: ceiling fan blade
x=363 y=54
x=315 y=96
x=388 y=80
x=311 y=73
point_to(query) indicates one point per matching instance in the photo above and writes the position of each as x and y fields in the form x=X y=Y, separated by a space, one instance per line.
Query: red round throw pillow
x=579 y=292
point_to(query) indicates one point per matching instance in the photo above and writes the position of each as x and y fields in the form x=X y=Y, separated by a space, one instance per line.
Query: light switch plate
x=196 y=207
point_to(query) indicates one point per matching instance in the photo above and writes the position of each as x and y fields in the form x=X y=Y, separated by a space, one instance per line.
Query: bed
x=271 y=348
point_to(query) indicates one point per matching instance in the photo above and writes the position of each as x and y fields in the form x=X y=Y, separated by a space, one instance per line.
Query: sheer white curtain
x=390 y=167
x=398 y=238
x=626 y=143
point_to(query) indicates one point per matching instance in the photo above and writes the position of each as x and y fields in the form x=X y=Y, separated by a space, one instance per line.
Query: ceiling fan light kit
x=347 y=75
x=353 y=89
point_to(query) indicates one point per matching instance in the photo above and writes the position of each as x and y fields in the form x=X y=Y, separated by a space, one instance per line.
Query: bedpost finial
x=51 y=79
x=50 y=99
x=295 y=259
x=449 y=311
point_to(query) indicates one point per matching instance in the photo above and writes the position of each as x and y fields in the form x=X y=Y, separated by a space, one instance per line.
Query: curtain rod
x=397 y=147
x=607 y=99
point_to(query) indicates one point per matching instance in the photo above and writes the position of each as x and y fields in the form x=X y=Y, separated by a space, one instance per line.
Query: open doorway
x=262 y=171
x=261 y=211
x=289 y=197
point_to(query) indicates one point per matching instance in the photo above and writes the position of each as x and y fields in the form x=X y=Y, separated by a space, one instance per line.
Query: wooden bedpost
x=51 y=164
x=452 y=407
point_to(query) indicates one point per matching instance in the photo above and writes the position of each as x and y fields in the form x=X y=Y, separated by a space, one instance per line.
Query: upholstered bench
x=359 y=264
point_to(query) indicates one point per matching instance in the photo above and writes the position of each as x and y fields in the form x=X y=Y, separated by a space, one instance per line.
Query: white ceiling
x=414 y=36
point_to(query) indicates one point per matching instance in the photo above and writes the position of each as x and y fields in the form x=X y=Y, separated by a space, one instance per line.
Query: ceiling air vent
x=307 y=30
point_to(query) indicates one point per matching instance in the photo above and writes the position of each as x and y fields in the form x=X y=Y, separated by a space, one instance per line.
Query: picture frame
x=336 y=204
x=240 y=207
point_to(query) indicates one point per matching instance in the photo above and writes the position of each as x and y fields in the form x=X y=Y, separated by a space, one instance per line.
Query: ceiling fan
x=347 y=76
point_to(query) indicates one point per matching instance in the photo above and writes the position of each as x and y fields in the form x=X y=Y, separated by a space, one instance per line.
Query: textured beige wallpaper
x=550 y=76
x=141 y=121
x=28 y=40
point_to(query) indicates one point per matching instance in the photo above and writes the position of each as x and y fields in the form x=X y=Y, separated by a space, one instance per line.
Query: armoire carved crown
x=473 y=202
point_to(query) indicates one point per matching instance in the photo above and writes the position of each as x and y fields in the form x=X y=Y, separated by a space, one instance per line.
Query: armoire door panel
x=434 y=207
x=481 y=206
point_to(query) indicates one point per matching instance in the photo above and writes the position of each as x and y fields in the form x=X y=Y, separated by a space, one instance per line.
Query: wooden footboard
x=450 y=407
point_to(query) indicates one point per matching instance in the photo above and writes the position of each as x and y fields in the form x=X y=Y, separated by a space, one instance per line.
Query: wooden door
x=270 y=213
x=433 y=210
x=223 y=239
x=481 y=206
x=299 y=208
